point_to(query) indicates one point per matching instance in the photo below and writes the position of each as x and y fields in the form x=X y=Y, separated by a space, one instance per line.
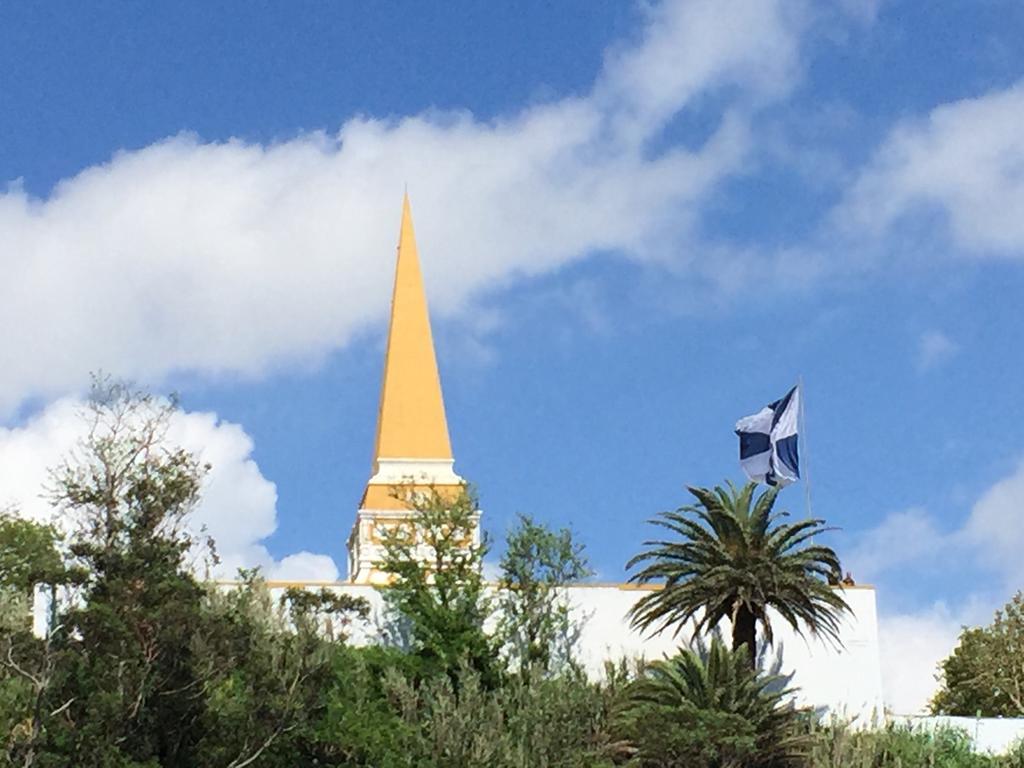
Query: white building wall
x=844 y=681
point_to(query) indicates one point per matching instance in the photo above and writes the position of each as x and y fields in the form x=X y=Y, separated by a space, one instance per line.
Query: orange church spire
x=411 y=423
x=412 y=448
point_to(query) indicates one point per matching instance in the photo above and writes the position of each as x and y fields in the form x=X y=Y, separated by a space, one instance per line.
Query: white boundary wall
x=994 y=735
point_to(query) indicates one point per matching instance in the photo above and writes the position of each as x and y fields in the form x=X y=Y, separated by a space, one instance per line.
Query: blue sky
x=637 y=224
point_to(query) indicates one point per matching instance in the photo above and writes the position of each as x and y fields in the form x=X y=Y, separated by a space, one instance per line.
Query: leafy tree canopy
x=731 y=556
x=437 y=589
x=536 y=623
x=29 y=554
x=984 y=676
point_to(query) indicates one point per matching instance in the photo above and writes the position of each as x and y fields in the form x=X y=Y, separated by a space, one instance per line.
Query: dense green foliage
x=144 y=666
x=437 y=595
x=838 y=746
x=984 y=675
x=536 y=625
x=28 y=554
x=127 y=663
x=731 y=557
x=706 y=706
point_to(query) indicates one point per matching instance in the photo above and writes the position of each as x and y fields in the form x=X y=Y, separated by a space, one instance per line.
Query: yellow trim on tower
x=384 y=497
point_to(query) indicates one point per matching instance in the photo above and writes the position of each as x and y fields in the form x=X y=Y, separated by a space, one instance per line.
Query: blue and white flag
x=768 y=442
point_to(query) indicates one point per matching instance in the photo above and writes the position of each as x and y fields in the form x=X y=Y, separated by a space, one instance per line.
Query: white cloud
x=864 y=10
x=995 y=529
x=965 y=160
x=990 y=538
x=238 y=507
x=492 y=570
x=935 y=348
x=901 y=539
x=232 y=257
x=914 y=642
x=912 y=645
x=303 y=566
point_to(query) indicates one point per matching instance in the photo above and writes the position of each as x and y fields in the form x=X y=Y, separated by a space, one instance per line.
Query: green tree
x=323 y=613
x=30 y=557
x=708 y=708
x=536 y=625
x=437 y=586
x=731 y=557
x=984 y=676
x=363 y=722
x=29 y=554
x=127 y=693
x=264 y=666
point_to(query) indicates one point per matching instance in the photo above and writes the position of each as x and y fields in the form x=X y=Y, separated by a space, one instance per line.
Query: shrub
x=897 y=746
x=707 y=707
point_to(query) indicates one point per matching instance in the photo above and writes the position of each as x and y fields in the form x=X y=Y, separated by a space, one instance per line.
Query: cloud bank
x=912 y=542
x=238 y=506
x=964 y=162
x=234 y=257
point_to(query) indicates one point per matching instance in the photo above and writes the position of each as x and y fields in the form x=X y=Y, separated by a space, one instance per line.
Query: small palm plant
x=707 y=707
x=732 y=557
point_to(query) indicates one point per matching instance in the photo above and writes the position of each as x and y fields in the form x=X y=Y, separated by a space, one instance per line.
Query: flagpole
x=806 y=461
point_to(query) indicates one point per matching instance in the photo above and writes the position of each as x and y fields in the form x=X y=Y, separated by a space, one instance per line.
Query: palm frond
x=732 y=548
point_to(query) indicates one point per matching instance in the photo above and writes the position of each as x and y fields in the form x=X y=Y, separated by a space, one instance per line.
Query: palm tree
x=706 y=706
x=733 y=558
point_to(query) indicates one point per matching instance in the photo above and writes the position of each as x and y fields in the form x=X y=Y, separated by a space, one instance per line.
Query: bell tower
x=412 y=448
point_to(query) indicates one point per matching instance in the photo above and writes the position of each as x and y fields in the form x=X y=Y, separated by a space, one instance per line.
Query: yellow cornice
x=621 y=586
x=387 y=497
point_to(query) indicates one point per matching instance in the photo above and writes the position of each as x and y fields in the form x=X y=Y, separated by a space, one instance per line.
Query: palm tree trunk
x=744 y=632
